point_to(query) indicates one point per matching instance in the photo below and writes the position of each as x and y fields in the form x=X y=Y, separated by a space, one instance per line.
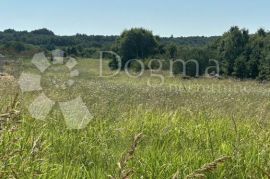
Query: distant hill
x=12 y=41
x=45 y=37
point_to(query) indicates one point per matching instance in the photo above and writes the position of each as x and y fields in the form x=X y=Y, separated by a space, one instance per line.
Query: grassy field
x=218 y=126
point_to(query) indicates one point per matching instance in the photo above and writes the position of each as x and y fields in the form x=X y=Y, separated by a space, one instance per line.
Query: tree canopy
x=136 y=43
x=239 y=53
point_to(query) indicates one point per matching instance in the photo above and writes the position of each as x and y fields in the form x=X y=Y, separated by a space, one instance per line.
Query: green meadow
x=195 y=128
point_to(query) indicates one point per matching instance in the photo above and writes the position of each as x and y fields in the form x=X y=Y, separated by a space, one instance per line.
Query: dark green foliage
x=189 y=41
x=243 y=55
x=240 y=67
x=19 y=47
x=172 y=51
x=44 y=39
x=113 y=64
x=136 y=43
x=72 y=51
x=261 y=32
x=230 y=47
x=265 y=68
x=43 y=31
x=9 y=31
x=240 y=54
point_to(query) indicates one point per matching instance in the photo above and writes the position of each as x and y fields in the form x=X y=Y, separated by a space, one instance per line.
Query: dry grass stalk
x=11 y=110
x=36 y=144
x=10 y=113
x=124 y=172
x=207 y=168
x=6 y=77
x=176 y=175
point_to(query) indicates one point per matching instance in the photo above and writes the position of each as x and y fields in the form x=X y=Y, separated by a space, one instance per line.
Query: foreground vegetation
x=180 y=127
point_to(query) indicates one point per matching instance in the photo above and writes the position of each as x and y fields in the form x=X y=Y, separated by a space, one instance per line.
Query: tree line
x=239 y=53
x=24 y=43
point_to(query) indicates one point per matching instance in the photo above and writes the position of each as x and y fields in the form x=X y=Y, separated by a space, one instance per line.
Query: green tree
x=137 y=43
x=240 y=67
x=43 y=31
x=19 y=47
x=257 y=49
x=232 y=45
x=172 y=51
x=265 y=68
x=261 y=32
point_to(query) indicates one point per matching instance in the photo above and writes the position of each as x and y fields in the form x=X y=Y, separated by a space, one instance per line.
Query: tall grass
x=184 y=130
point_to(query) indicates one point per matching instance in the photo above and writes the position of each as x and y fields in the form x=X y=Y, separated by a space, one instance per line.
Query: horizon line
x=56 y=34
x=172 y=35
